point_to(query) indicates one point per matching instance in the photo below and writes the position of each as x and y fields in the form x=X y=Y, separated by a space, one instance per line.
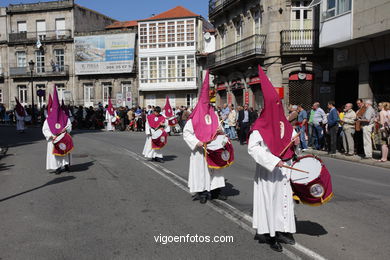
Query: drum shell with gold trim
x=62 y=144
x=317 y=188
x=159 y=139
x=219 y=153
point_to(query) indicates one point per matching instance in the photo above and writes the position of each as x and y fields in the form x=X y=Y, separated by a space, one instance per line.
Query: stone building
x=281 y=36
x=172 y=47
x=44 y=33
x=3 y=56
x=358 y=33
x=117 y=79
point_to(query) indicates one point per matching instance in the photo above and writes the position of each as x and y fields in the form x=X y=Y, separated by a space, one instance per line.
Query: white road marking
x=178 y=181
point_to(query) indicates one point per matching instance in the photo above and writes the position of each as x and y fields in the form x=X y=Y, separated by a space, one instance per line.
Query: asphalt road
x=113 y=204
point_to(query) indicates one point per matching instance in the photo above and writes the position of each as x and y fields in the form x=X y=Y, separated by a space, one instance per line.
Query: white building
x=168 y=46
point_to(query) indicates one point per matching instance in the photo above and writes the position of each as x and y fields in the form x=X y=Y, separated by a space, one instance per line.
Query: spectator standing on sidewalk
x=384 y=122
x=301 y=125
x=293 y=115
x=232 y=120
x=244 y=122
x=333 y=124
x=318 y=122
x=367 y=121
x=310 y=129
x=348 y=123
x=358 y=127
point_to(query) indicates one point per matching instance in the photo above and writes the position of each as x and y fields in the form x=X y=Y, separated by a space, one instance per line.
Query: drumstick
x=288 y=146
x=294 y=169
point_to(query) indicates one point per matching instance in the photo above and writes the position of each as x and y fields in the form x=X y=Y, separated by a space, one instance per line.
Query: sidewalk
x=357 y=159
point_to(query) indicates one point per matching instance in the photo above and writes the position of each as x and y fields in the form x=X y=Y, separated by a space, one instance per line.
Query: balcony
x=46 y=36
x=250 y=47
x=295 y=42
x=216 y=6
x=40 y=72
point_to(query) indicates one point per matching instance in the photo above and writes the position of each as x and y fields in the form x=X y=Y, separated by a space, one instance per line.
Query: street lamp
x=31 y=65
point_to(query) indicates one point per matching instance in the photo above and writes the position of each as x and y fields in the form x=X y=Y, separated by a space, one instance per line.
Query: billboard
x=104 y=54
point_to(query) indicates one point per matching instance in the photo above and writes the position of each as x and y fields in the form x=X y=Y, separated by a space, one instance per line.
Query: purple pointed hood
x=57 y=119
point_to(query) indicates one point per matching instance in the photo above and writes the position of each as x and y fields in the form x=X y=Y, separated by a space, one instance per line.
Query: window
x=162 y=35
x=343 y=6
x=40 y=62
x=41 y=30
x=22 y=27
x=60 y=90
x=150 y=100
x=190 y=33
x=162 y=69
x=180 y=35
x=41 y=99
x=59 y=55
x=153 y=70
x=88 y=94
x=22 y=94
x=181 y=68
x=337 y=7
x=190 y=68
x=171 y=34
x=238 y=30
x=223 y=38
x=152 y=35
x=257 y=22
x=301 y=17
x=126 y=88
x=143 y=32
x=171 y=69
x=144 y=70
x=107 y=92
x=21 y=60
x=60 y=27
x=190 y=100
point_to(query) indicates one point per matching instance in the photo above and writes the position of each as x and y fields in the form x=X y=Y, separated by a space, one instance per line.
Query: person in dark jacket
x=245 y=119
x=333 y=125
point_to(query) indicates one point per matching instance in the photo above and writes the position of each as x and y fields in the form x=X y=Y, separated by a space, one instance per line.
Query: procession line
x=227 y=210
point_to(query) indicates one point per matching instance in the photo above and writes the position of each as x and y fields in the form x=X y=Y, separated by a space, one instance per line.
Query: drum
x=313 y=188
x=27 y=118
x=172 y=121
x=219 y=152
x=159 y=139
x=62 y=144
x=113 y=119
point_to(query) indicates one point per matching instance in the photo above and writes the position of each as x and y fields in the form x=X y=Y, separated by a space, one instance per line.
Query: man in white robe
x=20 y=115
x=109 y=120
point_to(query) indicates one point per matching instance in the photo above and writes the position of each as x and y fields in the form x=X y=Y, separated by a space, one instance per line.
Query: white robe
x=110 y=126
x=52 y=161
x=273 y=205
x=148 y=152
x=201 y=177
x=19 y=122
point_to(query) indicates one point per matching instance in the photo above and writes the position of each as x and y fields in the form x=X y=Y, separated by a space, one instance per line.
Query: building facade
x=281 y=36
x=167 y=57
x=358 y=34
x=44 y=34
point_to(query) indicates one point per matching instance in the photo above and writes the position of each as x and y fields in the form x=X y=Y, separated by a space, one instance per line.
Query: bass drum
x=219 y=152
x=159 y=139
x=62 y=144
x=27 y=119
x=315 y=187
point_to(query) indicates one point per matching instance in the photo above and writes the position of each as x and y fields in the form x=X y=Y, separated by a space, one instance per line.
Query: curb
x=355 y=159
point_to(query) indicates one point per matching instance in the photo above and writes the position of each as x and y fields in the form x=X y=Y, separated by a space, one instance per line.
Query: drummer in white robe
x=158 y=121
x=20 y=115
x=201 y=128
x=110 y=116
x=271 y=146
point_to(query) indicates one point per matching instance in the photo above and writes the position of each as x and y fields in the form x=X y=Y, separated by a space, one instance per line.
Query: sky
x=125 y=10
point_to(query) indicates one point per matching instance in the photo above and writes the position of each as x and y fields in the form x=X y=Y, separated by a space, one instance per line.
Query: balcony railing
x=299 y=41
x=1 y=72
x=47 y=71
x=251 y=46
x=217 y=5
x=57 y=35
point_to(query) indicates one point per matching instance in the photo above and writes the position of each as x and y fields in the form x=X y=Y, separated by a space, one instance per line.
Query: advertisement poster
x=104 y=54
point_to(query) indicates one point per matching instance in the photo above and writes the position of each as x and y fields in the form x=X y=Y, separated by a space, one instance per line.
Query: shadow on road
x=168 y=158
x=4 y=167
x=229 y=191
x=54 y=181
x=81 y=166
x=310 y=228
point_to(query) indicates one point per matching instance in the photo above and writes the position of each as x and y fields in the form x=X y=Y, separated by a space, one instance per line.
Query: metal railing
x=43 y=36
x=298 y=41
x=46 y=71
x=253 y=45
x=217 y=5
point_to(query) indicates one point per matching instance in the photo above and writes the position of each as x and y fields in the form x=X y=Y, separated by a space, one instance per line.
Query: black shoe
x=275 y=245
x=286 y=238
x=262 y=238
x=196 y=196
x=67 y=168
x=203 y=197
x=58 y=171
x=160 y=160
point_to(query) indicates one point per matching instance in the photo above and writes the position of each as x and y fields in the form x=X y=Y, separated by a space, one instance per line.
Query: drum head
x=113 y=119
x=218 y=143
x=27 y=118
x=156 y=134
x=309 y=164
x=59 y=138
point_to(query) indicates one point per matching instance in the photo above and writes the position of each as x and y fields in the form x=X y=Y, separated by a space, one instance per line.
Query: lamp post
x=31 y=65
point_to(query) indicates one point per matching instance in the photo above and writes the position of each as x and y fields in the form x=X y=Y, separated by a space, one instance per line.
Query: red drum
x=313 y=188
x=172 y=121
x=159 y=139
x=219 y=152
x=63 y=144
